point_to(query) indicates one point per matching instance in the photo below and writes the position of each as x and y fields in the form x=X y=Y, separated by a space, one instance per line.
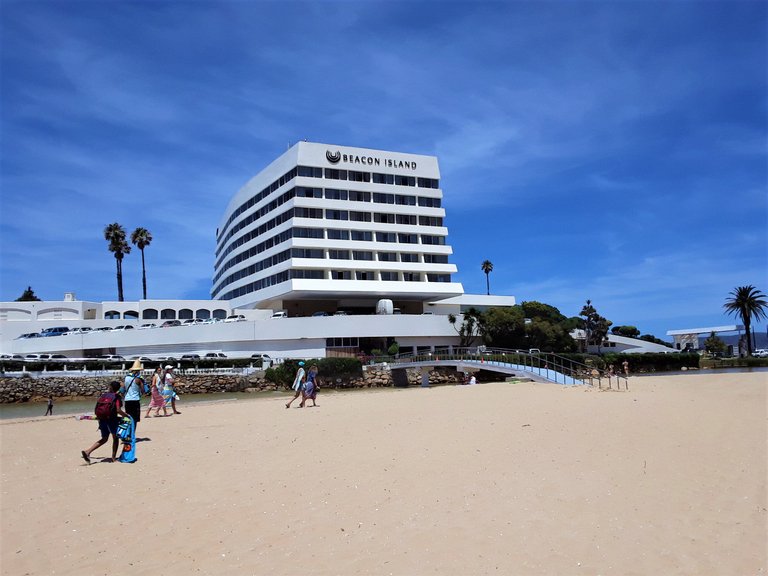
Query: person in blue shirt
x=298 y=385
x=132 y=390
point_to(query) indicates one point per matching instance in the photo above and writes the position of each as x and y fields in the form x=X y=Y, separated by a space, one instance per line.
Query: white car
x=760 y=353
x=122 y=328
x=191 y=322
x=235 y=318
x=146 y=326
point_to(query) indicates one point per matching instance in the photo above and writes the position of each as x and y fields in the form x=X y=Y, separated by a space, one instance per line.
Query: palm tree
x=747 y=302
x=115 y=235
x=487 y=267
x=142 y=238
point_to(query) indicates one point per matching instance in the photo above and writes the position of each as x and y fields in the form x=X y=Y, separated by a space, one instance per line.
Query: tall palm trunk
x=487 y=284
x=119 y=279
x=143 y=275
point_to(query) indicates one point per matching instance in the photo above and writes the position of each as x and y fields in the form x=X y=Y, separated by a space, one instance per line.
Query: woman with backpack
x=109 y=413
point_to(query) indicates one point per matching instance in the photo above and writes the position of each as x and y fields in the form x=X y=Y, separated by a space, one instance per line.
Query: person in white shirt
x=298 y=385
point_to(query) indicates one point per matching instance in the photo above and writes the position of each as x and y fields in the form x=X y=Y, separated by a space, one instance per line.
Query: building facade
x=328 y=228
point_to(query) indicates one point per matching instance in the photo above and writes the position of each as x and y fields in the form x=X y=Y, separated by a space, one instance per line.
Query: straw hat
x=137 y=366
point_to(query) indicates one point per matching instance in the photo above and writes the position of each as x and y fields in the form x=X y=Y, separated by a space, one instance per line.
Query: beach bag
x=124 y=429
x=106 y=406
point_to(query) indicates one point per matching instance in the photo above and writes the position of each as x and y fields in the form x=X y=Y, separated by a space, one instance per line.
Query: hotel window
x=360 y=216
x=411 y=277
x=430 y=221
x=362 y=255
x=361 y=235
x=337 y=234
x=383 y=218
x=438 y=277
x=356 y=196
x=383 y=178
x=409 y=219
x=429 y=202
x=387 y=256
x=304 y=192
x=334 y=174
x=408 y=238
x=300 y=212
x=307 y=233
x=428 y=183
x=334 y=194
x=310 y=172
x=310 y=274
x=404 y=200
x=408 y=257
x=435 y=259
x=307 y=253
x=389 y=276
x=359 y=176
x=364 y=275
x=338 y=254
x=341 y=275
x=386 y=237
x=433 y=240
x=405 y=181
x=341 y=342
x=336 y=215
x=383 y=198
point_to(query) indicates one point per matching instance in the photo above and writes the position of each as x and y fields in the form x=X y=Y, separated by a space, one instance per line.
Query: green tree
x=505 y=327
x=628 y=331
x=114 y=234
x=28 y=296
x=542 y=311
x=487 y=267
x=747 y=302
x=141 y=238
x=471 y=327
x=714 y=345
x=595 y=326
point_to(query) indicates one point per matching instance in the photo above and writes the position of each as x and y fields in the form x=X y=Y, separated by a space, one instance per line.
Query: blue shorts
x=107 y=427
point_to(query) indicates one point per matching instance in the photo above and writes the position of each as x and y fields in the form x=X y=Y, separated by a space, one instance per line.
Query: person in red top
x=108 y=426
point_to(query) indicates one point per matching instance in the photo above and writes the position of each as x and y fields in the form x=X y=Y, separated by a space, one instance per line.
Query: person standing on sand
x=169 y=392
x=108 y=426
x=298 y=385
x=625 y=366
x=310 y=389
x=132 y=388
x=49 y=410
x=157 y=398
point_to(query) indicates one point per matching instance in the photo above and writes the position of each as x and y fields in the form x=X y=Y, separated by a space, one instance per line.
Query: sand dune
x=667 y=478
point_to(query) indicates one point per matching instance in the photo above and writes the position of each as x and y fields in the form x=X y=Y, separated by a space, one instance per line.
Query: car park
x=214 y=355
x=761 y=353
x=146 y=326
x=235 y=318
x=170 y=323
x=122 y=328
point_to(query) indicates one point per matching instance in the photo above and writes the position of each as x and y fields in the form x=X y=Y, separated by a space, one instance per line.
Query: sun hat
x=169 y=367
x=137 y=366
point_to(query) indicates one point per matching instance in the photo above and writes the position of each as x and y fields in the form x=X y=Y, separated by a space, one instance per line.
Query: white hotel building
x=323 y=228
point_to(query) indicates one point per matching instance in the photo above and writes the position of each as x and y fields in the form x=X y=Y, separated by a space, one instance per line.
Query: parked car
x=55 y=331
x=170 y=323
x=340 y=313
x=27 y=335
x=191 y=322
x=122 y=328
x=146 y=326
x=58 y=358
x=81 y=330
x=761 y=353
x=141 y=358
x=191 y=357
x=11 y=357
x=112 y=358
x=319 y=314
x=280 y=314
x=165 y=359
x=210 y=321
x=102 y=329
x=37 y=357
x=214 y=355
x=235 y=318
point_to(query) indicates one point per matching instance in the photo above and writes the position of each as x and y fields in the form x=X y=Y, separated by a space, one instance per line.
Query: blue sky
x=614 y=151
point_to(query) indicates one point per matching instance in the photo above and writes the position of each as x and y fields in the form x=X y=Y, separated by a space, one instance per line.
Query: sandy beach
x=666 y=478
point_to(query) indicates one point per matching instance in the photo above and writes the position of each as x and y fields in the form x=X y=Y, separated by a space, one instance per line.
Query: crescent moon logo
x=333 y=157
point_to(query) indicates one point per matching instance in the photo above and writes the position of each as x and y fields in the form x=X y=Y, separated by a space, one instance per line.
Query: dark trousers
x=133 y=409
x=49 y=410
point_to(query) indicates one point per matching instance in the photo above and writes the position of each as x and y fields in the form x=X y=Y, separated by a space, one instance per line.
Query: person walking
x=132 y=389
x=625 y=366
x=298 y=385
x=49 y=410
x=109 y=423
x=169 y=391
x=157 y=398
x=310 y=388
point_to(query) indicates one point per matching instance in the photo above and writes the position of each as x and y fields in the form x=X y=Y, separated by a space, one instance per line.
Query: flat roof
x=731 y=328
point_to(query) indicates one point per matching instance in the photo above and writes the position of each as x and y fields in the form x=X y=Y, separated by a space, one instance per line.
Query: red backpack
x=106 y=406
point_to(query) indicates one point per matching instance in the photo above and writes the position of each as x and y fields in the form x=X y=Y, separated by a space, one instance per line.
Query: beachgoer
x=49 y=410
x=298 y=385
x=157 y=398
x=625 y=365
x=132 y=388
x=472 y=380
x=311 y=386
x=169 y=392
x=610 y=369
x=108 y=426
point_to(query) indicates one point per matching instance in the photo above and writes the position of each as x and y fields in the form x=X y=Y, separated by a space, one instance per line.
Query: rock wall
x=28 y=389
